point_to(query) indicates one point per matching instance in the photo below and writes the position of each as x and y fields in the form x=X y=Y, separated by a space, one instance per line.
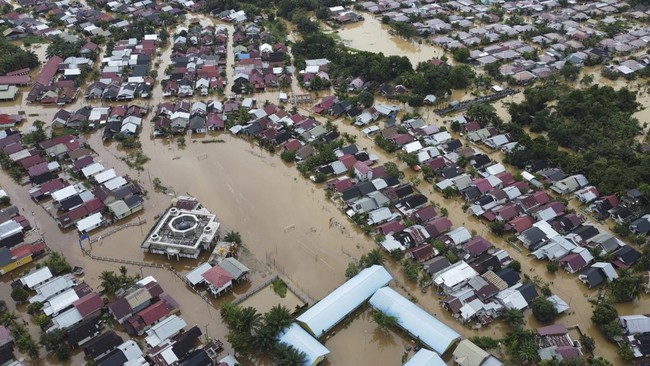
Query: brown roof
x=88 y=304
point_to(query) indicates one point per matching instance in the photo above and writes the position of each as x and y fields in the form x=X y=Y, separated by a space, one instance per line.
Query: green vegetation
x=486 y=343
x=383 y=320
x=606 y=317
x=35 y=136
x=596 y=123
x=158 y=186
x=543 y=310
x=288 y=156
x=373 y=257
x=515 y=265
x=112 y=282
x=22 y=339
x=233 y=237
x=552 y=267
x=19 y=294
x=628 y=287
x=513 y=317
x=57 y=263
x=254 y=334
x=411 y=270
x=128 y=141
x=64 y=49
x=14 y=58
x=55 y=341
x=135 y=160
x=279 y=287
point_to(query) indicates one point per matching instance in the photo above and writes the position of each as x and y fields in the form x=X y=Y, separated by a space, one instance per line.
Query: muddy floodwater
x=373 y=36
x=267 y=298
x=287 y=225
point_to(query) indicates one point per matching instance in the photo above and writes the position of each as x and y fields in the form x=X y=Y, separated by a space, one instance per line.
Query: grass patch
x=279 y=287
x=135 y=160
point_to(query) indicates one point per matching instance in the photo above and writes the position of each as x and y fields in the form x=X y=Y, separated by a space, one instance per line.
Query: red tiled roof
x=217 y=277
x=49 y=70
x=52 y=185
x=14 y=80
x=154 y=312
x=88 y=304
x=521 y=223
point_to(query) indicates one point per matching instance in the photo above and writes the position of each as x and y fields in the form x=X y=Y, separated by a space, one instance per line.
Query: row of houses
x=259 y=59
x=74 y=203
x=125 y=73
x=196 y=117
x=199 y=61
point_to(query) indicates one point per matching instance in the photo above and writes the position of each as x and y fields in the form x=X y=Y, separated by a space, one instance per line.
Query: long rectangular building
x=430 y=331
x=328 y=312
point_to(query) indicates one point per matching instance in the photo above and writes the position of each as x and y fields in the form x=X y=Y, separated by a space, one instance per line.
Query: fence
x=257 y=289
x=150 y=265
x=117 y=229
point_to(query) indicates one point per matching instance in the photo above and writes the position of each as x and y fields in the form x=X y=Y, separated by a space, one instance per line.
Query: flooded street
x=284 y=220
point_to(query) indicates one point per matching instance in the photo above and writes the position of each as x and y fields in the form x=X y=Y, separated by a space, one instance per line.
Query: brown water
x=284 y=221
x=371 y=35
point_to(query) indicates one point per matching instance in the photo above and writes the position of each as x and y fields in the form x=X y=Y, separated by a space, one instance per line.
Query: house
x=165 y=329
x=556 y=344
x=578 y=259
x=569 y=184
x=422 y=253
x=641 y=226
x=102 y=345
x=635 y=324
x=469 y=354
x=218 y=280
x=454 y=277
x=598 y=273
x=332 y=309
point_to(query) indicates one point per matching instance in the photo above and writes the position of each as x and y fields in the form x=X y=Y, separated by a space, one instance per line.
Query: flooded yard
x=267 y=298
x=360 y=341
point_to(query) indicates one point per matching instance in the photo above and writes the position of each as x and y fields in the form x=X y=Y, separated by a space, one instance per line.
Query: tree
x=383 y=320
x=515 y=265
x=55 y=341
x=373 y=257
x=392 y=170
x=277 y=319
x=543 y=310
x=485 y=114
x=34 y=307
x=233 y=237
x=42 y=320
x=352 y=270
x=3 y=306
x=626 y=353
x=588 y=343
x=486 y=343
x=612 y=330
x=111 y=282
x=599 y=361
x=497 y=227
x=57 y=263
x=552 y=267
x=19 y=294
x=180 y=141
x=286 y=355
x=366 y=99
x=288 y=156
x=513 y=317
x=460 y=54
x=604 y=313
x=626 y=288
x=410 y=269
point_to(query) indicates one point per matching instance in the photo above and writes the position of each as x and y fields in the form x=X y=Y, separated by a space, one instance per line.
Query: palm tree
x=286 y=355
x=277 y=319
x=375 y=256
x=230 y=313
x=8 y=318
x=264 y=339
x=513 y=317
x=32 y=350
x=249 y=320
x=233 y=237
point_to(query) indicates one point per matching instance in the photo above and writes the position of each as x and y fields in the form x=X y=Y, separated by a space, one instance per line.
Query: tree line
x=595 y=125
x=14 y=58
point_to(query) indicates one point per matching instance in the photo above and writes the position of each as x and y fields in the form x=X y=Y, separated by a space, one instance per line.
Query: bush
x=552 y=267
x=487 y=343
x=19 y=294
x=515 y=265
x=288 y=156
x=543 y=310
